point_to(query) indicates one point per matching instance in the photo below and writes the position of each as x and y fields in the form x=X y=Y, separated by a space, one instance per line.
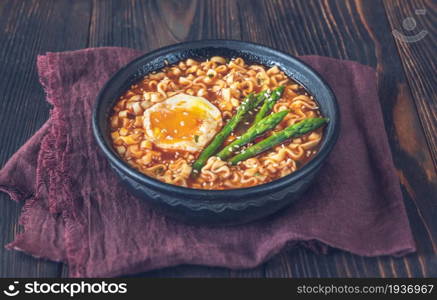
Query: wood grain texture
x=29 y=28
x=418 y=58
x=353 y=29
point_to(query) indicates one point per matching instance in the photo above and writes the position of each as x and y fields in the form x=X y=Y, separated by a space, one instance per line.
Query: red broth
x=224 y=84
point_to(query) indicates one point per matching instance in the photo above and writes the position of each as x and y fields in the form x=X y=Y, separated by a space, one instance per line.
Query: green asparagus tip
x=298 y=129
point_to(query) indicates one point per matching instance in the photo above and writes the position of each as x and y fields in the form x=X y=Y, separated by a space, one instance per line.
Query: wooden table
x=362 y=31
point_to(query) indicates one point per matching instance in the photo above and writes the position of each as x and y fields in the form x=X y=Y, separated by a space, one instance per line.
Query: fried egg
x=182 y=122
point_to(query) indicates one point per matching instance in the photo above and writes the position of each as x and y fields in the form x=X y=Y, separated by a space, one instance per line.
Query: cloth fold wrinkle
x=79 y=213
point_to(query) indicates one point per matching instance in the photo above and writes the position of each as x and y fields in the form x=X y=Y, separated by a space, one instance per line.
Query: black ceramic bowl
x=221 y=206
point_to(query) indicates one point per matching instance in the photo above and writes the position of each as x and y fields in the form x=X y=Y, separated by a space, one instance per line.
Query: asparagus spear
x=253 y=132
x=261 y=96
x=269 y=103
x=276 y=138
x=248 y=104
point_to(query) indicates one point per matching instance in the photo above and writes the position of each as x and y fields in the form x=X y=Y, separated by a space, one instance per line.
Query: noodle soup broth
x=162 y=123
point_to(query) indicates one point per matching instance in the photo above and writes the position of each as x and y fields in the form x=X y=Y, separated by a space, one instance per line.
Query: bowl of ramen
x=216 y=131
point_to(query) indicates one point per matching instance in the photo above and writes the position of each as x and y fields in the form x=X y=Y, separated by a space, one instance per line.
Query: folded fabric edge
x=22 y=242
x=14 y=193
x=32 y=145
x=146 y=265
x=26 y=240
x=316 y=245
x=50 y=78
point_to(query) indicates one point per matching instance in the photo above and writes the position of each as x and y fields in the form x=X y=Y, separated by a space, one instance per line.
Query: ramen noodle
x=163 y=122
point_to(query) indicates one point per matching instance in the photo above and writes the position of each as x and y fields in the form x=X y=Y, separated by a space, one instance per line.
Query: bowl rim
x=310 y=166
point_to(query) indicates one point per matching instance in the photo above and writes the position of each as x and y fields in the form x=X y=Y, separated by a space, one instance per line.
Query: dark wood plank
x=29 y=28
x=187 y=271
x=414 y=24
x=144 y=25
x=356 y=30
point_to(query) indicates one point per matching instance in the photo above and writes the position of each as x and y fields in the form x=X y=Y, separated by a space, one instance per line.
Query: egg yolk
x=172 y=126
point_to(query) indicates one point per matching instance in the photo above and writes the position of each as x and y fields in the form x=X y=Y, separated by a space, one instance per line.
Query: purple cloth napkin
x=76 y=211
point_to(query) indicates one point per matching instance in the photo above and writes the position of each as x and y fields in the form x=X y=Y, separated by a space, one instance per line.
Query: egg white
x=210 y=124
